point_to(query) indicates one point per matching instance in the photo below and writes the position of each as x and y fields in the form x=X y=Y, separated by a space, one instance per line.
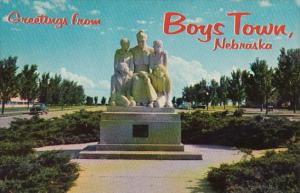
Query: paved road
x=5 y=121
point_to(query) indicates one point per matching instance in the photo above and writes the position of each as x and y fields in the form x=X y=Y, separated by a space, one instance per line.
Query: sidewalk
x=149 y=176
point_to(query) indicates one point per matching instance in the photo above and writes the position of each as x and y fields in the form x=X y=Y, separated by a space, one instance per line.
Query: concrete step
x=139 y=147
x=140 y=155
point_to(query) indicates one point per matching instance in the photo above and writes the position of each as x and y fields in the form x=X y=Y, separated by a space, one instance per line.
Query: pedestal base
x=139 y=133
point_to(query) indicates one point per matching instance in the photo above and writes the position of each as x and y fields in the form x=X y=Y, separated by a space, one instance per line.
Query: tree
x=213 y=91
x=179 y=101
x=174 y=100
x=96 y=100
x=8 y=80
x=43 y=88
x=236 y=91
x=260 y=83
x=29 y=83
x=89 y=100
x=223 y=90
x=54 y=89
x=103 y=101
x=287 y=77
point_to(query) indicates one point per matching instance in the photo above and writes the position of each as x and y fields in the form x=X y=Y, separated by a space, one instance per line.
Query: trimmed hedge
x=79 y=127
x=272 y=173
x=23 y=171
x=244 y=132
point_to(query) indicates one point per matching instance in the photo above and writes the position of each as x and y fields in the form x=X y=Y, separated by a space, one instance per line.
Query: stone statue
x=142 y=90
x=123 y=55
x=121 y=86
x=158 y=56
x=160 y=78
x=141 y=75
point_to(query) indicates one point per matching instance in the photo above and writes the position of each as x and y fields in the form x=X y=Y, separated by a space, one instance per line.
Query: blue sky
x=85 y=54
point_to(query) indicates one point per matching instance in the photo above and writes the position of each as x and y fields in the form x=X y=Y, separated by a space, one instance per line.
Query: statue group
x=140 y=75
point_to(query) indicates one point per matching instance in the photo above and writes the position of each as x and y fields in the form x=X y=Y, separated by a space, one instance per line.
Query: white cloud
x=61 y=4
x=41 y=7
x=265 y=3
x=5 y=18
x=104 y=84
x=95 y=12
x=196 y=20
x=81 y=80
x=72 y=8
x=141 y=21
x=297 y=2
x=184 y=73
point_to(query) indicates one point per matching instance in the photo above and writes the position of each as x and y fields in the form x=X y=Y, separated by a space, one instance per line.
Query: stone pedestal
x=150 y=126
x=140 y=133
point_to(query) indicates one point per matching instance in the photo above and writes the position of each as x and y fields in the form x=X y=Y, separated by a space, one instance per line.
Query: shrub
x=79 y=127
x=244 y=132
x=272 y=173
x=23 y=171
x=239 y=112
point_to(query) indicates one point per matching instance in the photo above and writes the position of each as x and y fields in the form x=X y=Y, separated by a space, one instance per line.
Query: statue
x=142 y=90
x=121 y=86
x=159 y=56
x=123 y=55
x=140 y=75
x=160 y=78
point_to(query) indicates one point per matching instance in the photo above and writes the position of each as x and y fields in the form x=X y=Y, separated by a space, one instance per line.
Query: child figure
x=159 y=75
x=159 y=56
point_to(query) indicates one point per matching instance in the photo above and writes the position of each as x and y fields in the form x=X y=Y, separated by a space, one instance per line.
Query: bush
x=244 y=132
x=80 y=127
x=239 y=112
x=272 y=173
x=23 y=171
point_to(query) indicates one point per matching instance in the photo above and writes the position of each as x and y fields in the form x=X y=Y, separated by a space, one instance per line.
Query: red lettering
x=237 y=20
x=11 y=14
x=168 y=23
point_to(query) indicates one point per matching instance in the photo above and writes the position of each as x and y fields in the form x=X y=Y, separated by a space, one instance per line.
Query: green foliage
x=89 y=100
x=287 y=76
x=272 y=173
x=103 y=101
x=236 y=91
x=80 y=127
x=8 y=80
x=29 y=83
x=238 y=112
x=254 y=133
x=48 y=172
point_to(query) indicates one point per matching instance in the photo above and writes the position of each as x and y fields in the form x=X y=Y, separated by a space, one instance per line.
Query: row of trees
x=30 y=86
x=90 y=100
x=260 y=86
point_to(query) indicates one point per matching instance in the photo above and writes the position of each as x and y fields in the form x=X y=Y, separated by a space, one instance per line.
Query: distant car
x=185 y=105
x=38 y=108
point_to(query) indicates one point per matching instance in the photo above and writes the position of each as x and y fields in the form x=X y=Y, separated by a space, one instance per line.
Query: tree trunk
x=295 y=102
x=224 y=106
x=3 y=106
x=28 y=103
x=261 y=107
